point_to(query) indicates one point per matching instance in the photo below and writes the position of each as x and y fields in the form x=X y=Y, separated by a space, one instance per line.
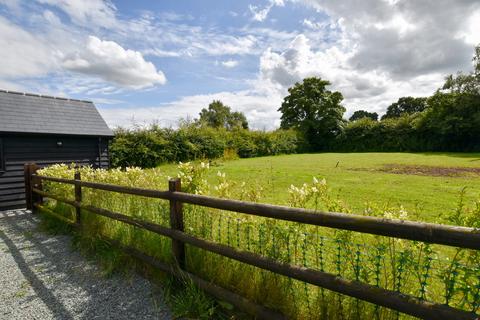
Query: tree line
x=312 y=120
x=449 y=120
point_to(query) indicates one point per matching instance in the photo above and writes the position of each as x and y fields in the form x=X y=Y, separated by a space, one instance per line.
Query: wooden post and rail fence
x=460 y=237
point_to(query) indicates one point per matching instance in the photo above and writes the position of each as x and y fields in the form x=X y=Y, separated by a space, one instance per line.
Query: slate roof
x=32 y=113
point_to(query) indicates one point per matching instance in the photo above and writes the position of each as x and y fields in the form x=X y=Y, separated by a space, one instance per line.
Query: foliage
x=466 y=83
x=452 y=122
x=360 y=114
x=313 y=110
x=219 y=115
x=404 y=106
x=149 y=147
x=433 y=273
x=388 y=135
x=134 y=147
x=251 y=144
x=187 y=301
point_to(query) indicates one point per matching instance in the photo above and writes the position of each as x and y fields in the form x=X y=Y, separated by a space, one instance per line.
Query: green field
x=427 y=185
x=358 y=178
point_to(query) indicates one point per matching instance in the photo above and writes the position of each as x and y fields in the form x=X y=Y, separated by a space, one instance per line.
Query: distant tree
x=465 y=83
x=219 y=115
x=237 y=120
x=405 y=105
x=360 y=114
x=452 y=121
x=314 y=111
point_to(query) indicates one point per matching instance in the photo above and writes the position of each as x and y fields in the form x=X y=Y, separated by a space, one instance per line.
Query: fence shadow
x=78 y=290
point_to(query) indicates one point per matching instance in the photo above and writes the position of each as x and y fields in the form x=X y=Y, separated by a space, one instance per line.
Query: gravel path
x=41 y=277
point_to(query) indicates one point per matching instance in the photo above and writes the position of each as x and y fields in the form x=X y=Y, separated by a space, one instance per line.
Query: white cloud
x=87 y=13
x=260 y=110
x=230 y=63
x=313 y=25
x=9 y=85
x=223 y=44
x=162 y=53
x=471 y=34
x=111 y=62
x=52 y=18
x=23 y=54
x=406 y=38
x=13 y=5
x=286 y=68
x=260 y=14
x=372 y=90
x=166 y=39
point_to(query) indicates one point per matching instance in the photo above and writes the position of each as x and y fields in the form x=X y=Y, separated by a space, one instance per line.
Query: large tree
x=219 y=115
x=405 y=105
x=360 y=114
x=314 y=111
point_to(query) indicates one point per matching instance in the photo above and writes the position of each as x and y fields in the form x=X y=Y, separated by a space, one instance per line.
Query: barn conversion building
x=46 y=130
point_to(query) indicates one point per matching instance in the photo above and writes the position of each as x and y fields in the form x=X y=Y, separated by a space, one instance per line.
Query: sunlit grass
x=357 y=181
x=435 y=273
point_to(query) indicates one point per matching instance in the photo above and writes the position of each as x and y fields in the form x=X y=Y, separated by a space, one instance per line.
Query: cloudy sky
x=158 y=61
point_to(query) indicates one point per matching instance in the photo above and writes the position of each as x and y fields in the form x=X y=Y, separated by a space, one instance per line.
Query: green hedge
x=451 y=122
x=149 y=147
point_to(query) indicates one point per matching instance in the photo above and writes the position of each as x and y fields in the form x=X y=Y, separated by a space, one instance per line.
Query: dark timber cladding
x=46 y=130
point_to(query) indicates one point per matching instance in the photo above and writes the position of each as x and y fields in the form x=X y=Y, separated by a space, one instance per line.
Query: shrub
x=149 y=147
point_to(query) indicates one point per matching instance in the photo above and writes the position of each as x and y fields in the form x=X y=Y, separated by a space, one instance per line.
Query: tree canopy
x=452 y=121
x=219 y=115
x=405 y=105
x=313 y=110
x=360 y=114
x=466 y=83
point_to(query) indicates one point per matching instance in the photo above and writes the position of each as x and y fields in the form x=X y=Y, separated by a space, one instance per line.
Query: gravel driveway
x=41 y=277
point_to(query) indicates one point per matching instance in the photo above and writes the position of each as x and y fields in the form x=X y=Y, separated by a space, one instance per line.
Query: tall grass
x=432 y=272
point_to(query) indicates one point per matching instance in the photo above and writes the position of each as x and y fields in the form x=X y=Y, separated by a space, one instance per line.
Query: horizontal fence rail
x=217 y=291
x=426 y=232
x=462 y=237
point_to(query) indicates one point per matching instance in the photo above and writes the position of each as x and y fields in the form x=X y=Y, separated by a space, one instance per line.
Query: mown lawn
x=357 y=178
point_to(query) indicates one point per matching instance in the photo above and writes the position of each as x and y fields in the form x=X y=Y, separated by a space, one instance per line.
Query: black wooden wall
x=44 y=150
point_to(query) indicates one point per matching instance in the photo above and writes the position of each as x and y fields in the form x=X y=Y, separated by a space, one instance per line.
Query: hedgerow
x=152 y=146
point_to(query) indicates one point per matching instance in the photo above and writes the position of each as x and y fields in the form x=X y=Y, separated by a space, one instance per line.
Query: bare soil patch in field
x=429 y=170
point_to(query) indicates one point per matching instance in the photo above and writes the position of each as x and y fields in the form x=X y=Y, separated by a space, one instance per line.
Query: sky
x=147 y=62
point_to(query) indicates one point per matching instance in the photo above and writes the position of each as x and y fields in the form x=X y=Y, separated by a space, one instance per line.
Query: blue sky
x=159 y=61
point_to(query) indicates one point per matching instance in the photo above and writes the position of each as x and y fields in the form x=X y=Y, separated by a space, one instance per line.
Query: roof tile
x=30 y=113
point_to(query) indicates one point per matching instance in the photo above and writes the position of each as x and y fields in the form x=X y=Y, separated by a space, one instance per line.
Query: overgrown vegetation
x=436 y=273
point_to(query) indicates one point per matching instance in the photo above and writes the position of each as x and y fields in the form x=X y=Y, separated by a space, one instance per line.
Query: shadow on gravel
x=67 y=285
x=54 y=305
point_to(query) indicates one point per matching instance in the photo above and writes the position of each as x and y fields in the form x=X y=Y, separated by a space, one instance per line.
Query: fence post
x=28 y=185
x=35 y=182
x=78 y=197
x=176 y=223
